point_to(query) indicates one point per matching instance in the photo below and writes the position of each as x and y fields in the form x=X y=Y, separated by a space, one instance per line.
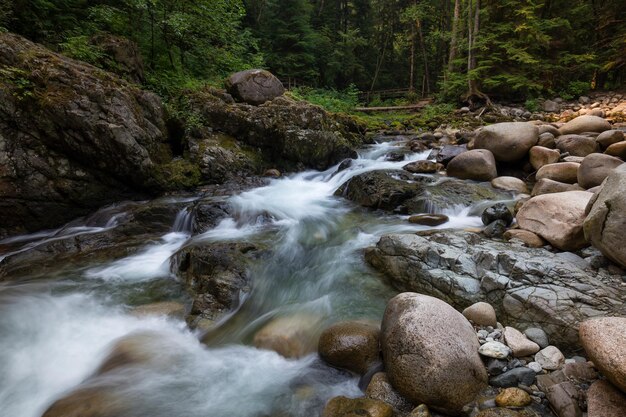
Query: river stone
x=477 y=164
x=420 y=411
x=499 y=412
x=509 y=141
x=529 y=239
x=540 y=156
x=557 y=217
x=290 y=336
x=561 y=401
x=535 y=367
x=350 y=345
x=429 y=219
x=423 y=167
x=448 y=152
x=163 y=308
x=514 y=377
x=481 y=314
x=546 y=140
x=538 y=336
x=420 y=369
x=519 y=344
x=577 y=145
x=362 y=407
x=585 y=124
x=617 y=149
x=495 y=350
x=609 y=137
x=254 y=86
x=89 y=402
x=576 y=159
x=510 y=184
x=547 y=186
x=498 y=211
x=606 y=220
x=513 y=397
x=495 y=229
x=595 y=168
x=566 y=172
x=550 y=358
x=604 y=400
x=380 y=389
x=547 y=128
x=604 y=340
x=526 y=286
x=551 y=106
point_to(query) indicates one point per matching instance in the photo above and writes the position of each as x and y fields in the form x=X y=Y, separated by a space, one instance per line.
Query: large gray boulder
x=254 y=86
x=605 y=223
x=585 y=123
x=509 y=141
x=72 y=138
x=556 y=217
x=430 y=352
x=528 y=287
x=595 y=168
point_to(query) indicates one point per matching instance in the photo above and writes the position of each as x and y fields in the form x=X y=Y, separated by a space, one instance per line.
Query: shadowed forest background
x=456 y=49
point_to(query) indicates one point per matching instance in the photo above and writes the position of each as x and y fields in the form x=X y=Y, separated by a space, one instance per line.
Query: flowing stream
x=56 y=329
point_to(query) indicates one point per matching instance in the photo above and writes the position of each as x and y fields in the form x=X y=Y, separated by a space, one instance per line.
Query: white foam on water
x=150 y=263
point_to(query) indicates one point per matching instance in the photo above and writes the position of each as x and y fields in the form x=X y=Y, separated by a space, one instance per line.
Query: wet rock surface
x=526 y=286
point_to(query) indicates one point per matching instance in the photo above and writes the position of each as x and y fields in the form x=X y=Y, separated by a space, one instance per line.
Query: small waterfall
x=184 y=221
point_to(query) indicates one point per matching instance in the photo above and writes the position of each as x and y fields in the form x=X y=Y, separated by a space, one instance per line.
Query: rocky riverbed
x=477 y=273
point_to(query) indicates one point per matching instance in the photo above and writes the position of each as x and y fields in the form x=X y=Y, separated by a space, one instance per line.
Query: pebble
x=535 y=367
x=483 y=334
x=519 y=344
x=513 y=397
x=514 y=377
x=550 y=358
x=494 y=349
x=496 y=366
x=538 y=336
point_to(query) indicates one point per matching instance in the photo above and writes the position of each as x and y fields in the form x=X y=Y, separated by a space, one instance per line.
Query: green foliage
x=78 y=47
x=18 y=79
x=532 y=105
x=332 y=100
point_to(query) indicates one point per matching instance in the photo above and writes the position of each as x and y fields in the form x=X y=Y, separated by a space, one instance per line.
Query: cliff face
x=72 y=137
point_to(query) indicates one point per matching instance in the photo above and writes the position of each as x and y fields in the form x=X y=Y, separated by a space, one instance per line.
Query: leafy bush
x=332 y=100
x=78 y=47
x=532 y=105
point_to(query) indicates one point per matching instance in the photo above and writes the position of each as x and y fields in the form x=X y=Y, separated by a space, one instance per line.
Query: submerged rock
x=350 y=345
x=365 y=407
x=526 y=286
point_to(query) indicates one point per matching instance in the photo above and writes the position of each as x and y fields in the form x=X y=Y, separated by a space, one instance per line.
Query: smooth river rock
x=595 y=168
x=351 y=345
x=577 y=145
x=507 y=141
x=557 y=217
x=519 y=344
x=481 y=314
x=566 y=172
x=604 y=400
x=547 y=186
x=605 y=223
x=540 y=156
x=528 y=287
x=510 y=184
x=604 y=340
x=477 y=164
x=585 y=124
x=363 y=407
x=609 y=137
x=430 y=352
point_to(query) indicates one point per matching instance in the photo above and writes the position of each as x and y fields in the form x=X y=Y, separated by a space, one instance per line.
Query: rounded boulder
x=509 y=141
x=557 y=217
x=604 y=340
x=430 y=353
x=585 y=123
x=577 y=145
x=595 y=168
x=254 y=86
x=566 y=172
x=350 y=345
x=477 y=164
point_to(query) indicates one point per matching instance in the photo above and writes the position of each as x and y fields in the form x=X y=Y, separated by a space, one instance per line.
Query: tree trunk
x=412 y=62
x=424 y=57
x=473 y=93
x=454 y=36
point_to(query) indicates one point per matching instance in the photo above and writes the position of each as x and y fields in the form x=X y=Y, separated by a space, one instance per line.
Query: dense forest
x=513 y=49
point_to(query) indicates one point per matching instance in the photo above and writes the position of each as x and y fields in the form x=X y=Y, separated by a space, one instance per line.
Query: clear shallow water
x=55 y=334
